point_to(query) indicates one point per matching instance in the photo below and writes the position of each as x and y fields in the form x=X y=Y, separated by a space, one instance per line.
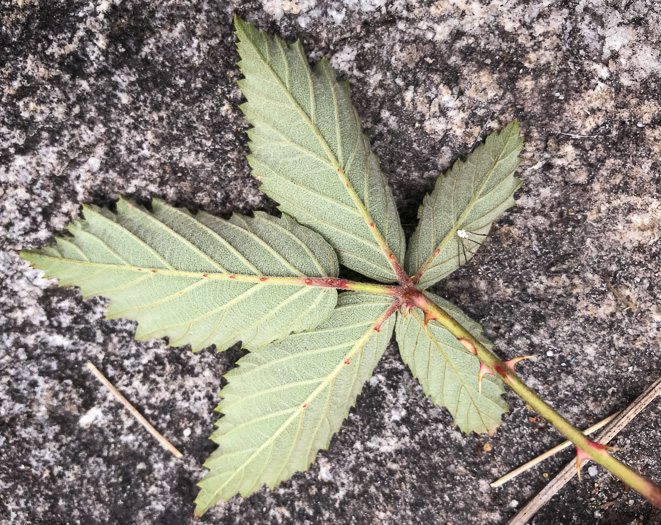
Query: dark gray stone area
x=118 y=97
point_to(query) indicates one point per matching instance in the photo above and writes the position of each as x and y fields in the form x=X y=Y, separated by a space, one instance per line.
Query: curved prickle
x=503 y=374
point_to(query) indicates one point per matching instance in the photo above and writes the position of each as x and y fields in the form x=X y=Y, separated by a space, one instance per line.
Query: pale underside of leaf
x=456 y=217
x=196 y=278
x=310 y=153
x=285 y=401
x=447 y=371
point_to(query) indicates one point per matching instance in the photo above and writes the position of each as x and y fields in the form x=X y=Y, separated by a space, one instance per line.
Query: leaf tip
x=239 y=23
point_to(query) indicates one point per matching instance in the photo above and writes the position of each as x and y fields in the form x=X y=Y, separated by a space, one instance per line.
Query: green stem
x=595 y=451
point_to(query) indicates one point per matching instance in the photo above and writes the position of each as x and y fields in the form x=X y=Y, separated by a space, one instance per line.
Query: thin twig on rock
x=631 y=303
x=549 y=453
x=134 y=411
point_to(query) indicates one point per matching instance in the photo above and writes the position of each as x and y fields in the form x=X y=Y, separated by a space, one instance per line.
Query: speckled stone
x=110 y=97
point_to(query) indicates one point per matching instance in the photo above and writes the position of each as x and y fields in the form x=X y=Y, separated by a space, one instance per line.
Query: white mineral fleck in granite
x=92 y=416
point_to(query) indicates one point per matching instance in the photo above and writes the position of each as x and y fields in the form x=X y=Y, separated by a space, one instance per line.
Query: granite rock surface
x=104 y=98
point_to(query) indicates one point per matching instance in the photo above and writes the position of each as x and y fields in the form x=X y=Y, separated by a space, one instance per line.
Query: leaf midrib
x=237 y=277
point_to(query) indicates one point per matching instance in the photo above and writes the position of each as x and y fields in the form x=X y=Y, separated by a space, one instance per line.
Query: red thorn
x=582 y=455
x=263 y=279
x=232 y=276
x=308 y=281
x=347 y=361
x=392 y=256
x=406 y=309
x=377 y=328
x=499 y=370
x=371 y=225
x=437 y=252
x=304 y=405
x=469 y=346
x=428 y=317
x=484 y=370
x=511 y=363
x=205 y=275
x=330 y=282
x=139 y=269
x=154 y=271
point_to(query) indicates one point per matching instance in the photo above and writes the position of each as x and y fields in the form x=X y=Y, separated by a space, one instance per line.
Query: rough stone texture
x=102 y=98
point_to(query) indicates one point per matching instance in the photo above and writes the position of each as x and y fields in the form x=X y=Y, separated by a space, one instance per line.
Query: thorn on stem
x=510 y=363
x=428 y=317
x=405 y=309
x=582 y=455
x=469 y=346
x=484 y=370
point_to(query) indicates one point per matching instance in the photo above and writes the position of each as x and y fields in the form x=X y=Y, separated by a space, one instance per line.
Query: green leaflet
x=456 y=217
x=196 y=278
x=310 y=153
x=284 y=402
x=447 y=371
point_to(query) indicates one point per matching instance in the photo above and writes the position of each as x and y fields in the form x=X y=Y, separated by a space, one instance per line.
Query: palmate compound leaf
x=456 y=217
x=310 y=153
x=284 y=401
x=447 y=371
x=196 y=279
